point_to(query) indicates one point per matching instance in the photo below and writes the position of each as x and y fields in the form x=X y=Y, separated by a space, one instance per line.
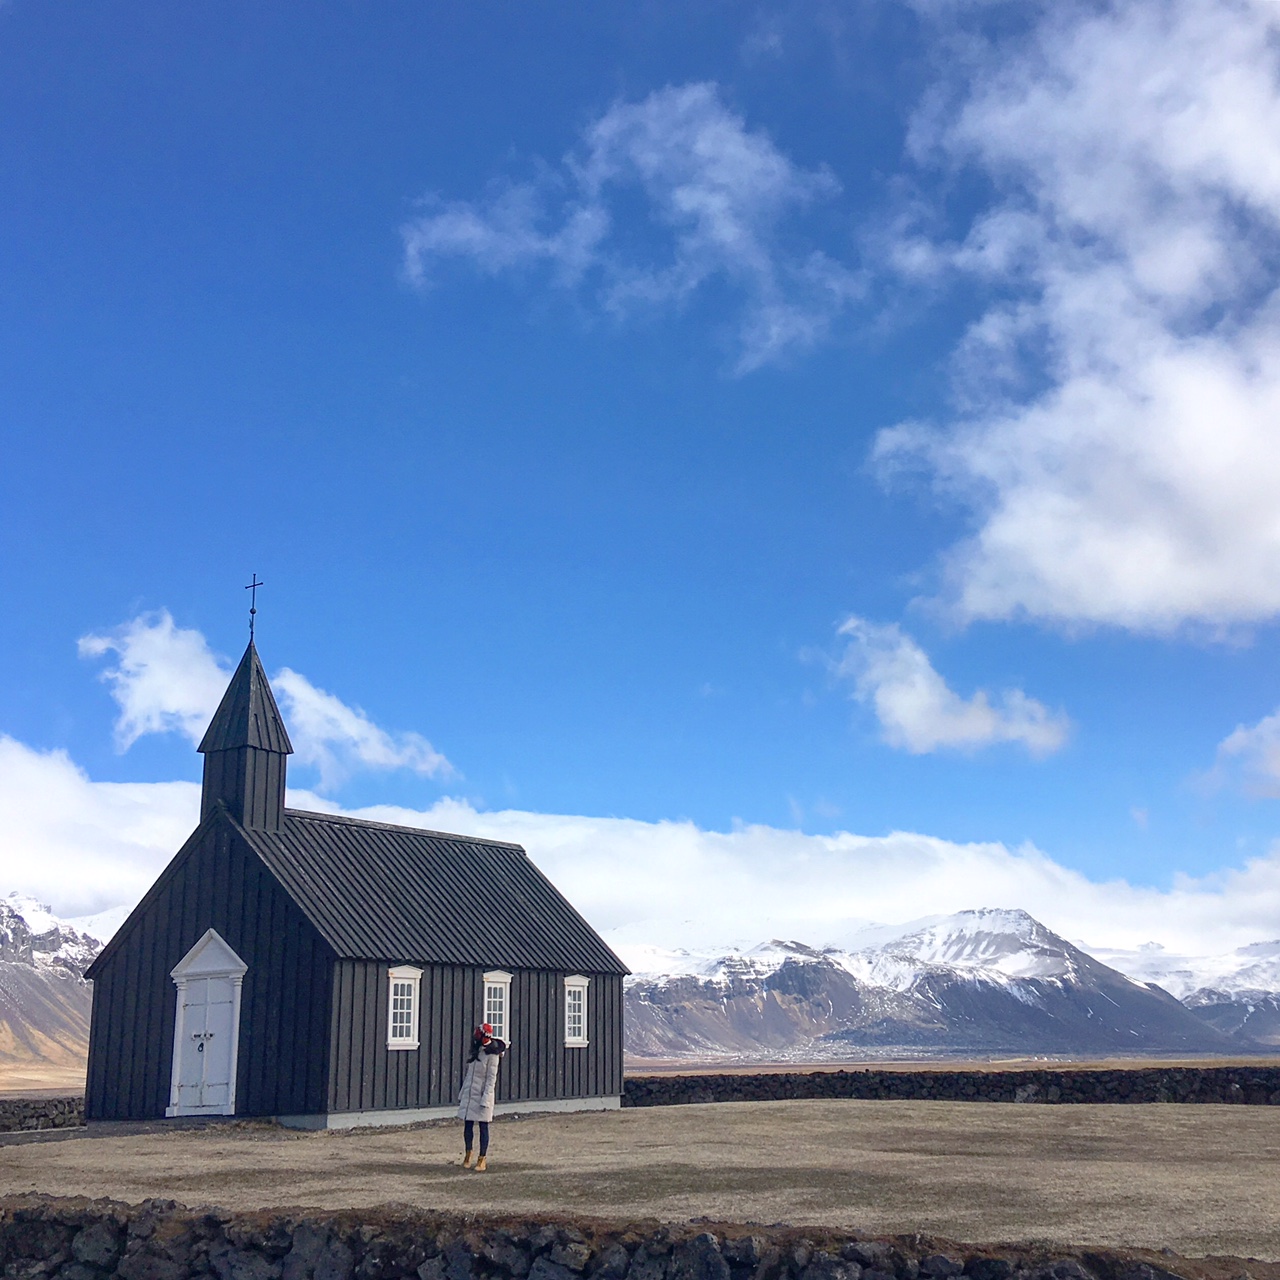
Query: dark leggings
x=468 y=1131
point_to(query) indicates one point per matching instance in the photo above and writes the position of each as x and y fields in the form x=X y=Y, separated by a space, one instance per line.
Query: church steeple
x=244 y=750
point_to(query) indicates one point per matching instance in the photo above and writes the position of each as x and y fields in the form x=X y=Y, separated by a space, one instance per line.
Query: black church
x=328 y=971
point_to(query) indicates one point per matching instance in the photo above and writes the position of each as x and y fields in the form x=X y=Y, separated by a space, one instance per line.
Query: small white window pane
x=575 y=1011
x=402 y=1010
x=495 y=1008
x=402 y=1007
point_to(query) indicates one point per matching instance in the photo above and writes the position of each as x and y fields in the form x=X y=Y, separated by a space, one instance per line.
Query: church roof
x=381 y=892
x=374 y=891
x=247 y=716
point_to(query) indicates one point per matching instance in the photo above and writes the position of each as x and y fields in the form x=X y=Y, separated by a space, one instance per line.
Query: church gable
x=215 y=906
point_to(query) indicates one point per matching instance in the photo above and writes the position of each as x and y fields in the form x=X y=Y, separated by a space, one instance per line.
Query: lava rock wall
x=1256 y=1086
x=46 y=1238
x=1253 y=1086
x=40 y=1113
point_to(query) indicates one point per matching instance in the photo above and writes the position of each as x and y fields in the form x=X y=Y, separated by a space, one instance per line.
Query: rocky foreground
x=43 y=1237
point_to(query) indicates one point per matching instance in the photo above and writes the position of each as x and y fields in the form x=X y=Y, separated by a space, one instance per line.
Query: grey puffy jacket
x=479 y=1082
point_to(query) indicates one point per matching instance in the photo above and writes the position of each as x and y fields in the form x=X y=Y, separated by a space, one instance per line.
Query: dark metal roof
x=247 y=716
x=379 y=892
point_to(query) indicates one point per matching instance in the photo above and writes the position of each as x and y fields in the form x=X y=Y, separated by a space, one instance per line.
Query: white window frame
x=576 y=984
x=497 y=978
x=403 y=975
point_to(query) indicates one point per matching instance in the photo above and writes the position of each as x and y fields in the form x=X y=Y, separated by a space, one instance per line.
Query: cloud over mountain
x=84 y=845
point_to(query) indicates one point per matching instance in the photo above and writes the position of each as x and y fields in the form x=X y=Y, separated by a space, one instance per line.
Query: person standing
x=479 y=1083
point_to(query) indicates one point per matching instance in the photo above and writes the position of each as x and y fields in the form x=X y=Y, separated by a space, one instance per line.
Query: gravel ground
x=1197 y=1179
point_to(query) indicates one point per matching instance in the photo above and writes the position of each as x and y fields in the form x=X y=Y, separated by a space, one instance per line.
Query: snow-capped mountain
x=102 y=925
x=978 y=982
x=1238 y=992
x=44 y=999
x=31 y=934
x=1255 y=967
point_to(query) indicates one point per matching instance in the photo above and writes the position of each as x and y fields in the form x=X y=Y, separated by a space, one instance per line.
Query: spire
x=245 y=748
x=247 y=716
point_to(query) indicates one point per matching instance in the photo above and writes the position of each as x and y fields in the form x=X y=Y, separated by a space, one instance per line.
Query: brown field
x=40 y=1079
x=1197 y=1179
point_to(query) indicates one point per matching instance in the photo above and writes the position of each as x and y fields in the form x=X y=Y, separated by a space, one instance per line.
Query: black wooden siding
x=216 y=882
x=367 y=1076
x=249 y=782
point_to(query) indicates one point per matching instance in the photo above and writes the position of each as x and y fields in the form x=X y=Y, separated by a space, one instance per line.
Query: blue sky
x=574 y=375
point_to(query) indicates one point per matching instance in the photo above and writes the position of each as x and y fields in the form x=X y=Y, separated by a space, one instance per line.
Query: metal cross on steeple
x=253 y=602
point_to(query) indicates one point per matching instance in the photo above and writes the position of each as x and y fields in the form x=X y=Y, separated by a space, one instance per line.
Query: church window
x=402 y=1007
x=575 y=1011
x=497 y=1003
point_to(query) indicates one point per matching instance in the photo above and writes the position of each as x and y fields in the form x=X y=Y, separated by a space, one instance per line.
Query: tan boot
x=466 y=1160
x=482 y=1164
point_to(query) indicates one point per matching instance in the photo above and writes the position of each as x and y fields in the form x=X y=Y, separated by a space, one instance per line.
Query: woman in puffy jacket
x=479 y=1081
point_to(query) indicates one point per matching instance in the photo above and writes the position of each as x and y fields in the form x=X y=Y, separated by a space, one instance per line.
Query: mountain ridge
x=977 y=982
x=44 y=999
x=984 y=982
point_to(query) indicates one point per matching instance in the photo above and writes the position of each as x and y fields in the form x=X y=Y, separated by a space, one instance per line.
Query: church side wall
x=282 y=1066
x=368 y=1076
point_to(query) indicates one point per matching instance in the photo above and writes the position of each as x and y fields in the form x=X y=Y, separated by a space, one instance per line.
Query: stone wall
x=1258 y=1086
x=43 y=1238
x=40 y=1113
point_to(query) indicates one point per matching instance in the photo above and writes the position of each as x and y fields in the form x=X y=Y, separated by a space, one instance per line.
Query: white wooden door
x=206 y=1051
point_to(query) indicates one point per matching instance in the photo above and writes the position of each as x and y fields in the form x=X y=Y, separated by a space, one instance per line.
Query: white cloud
x=1250 y=754
x=1117 y=439
x=338 y=739
x=166 y=678
x=918 y=711
x=716 y=196
x=84 y=845
x=87 y=845
x=675 y=884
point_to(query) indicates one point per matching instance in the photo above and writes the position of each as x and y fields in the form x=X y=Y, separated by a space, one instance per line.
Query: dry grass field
x=68 y=1077
x=42 y=1079
x=1198 y=1179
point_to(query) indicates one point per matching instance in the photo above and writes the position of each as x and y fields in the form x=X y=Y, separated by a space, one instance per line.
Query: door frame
x=211 y=957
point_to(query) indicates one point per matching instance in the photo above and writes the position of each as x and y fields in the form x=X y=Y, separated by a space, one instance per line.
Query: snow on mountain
x=995 y=942
x=30 y=933
x=1252 y=968
x=103 y=925
x=1238 y=992
x=44 y=999
x=976 y=982
x=1010 y=943
x=713 y=964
